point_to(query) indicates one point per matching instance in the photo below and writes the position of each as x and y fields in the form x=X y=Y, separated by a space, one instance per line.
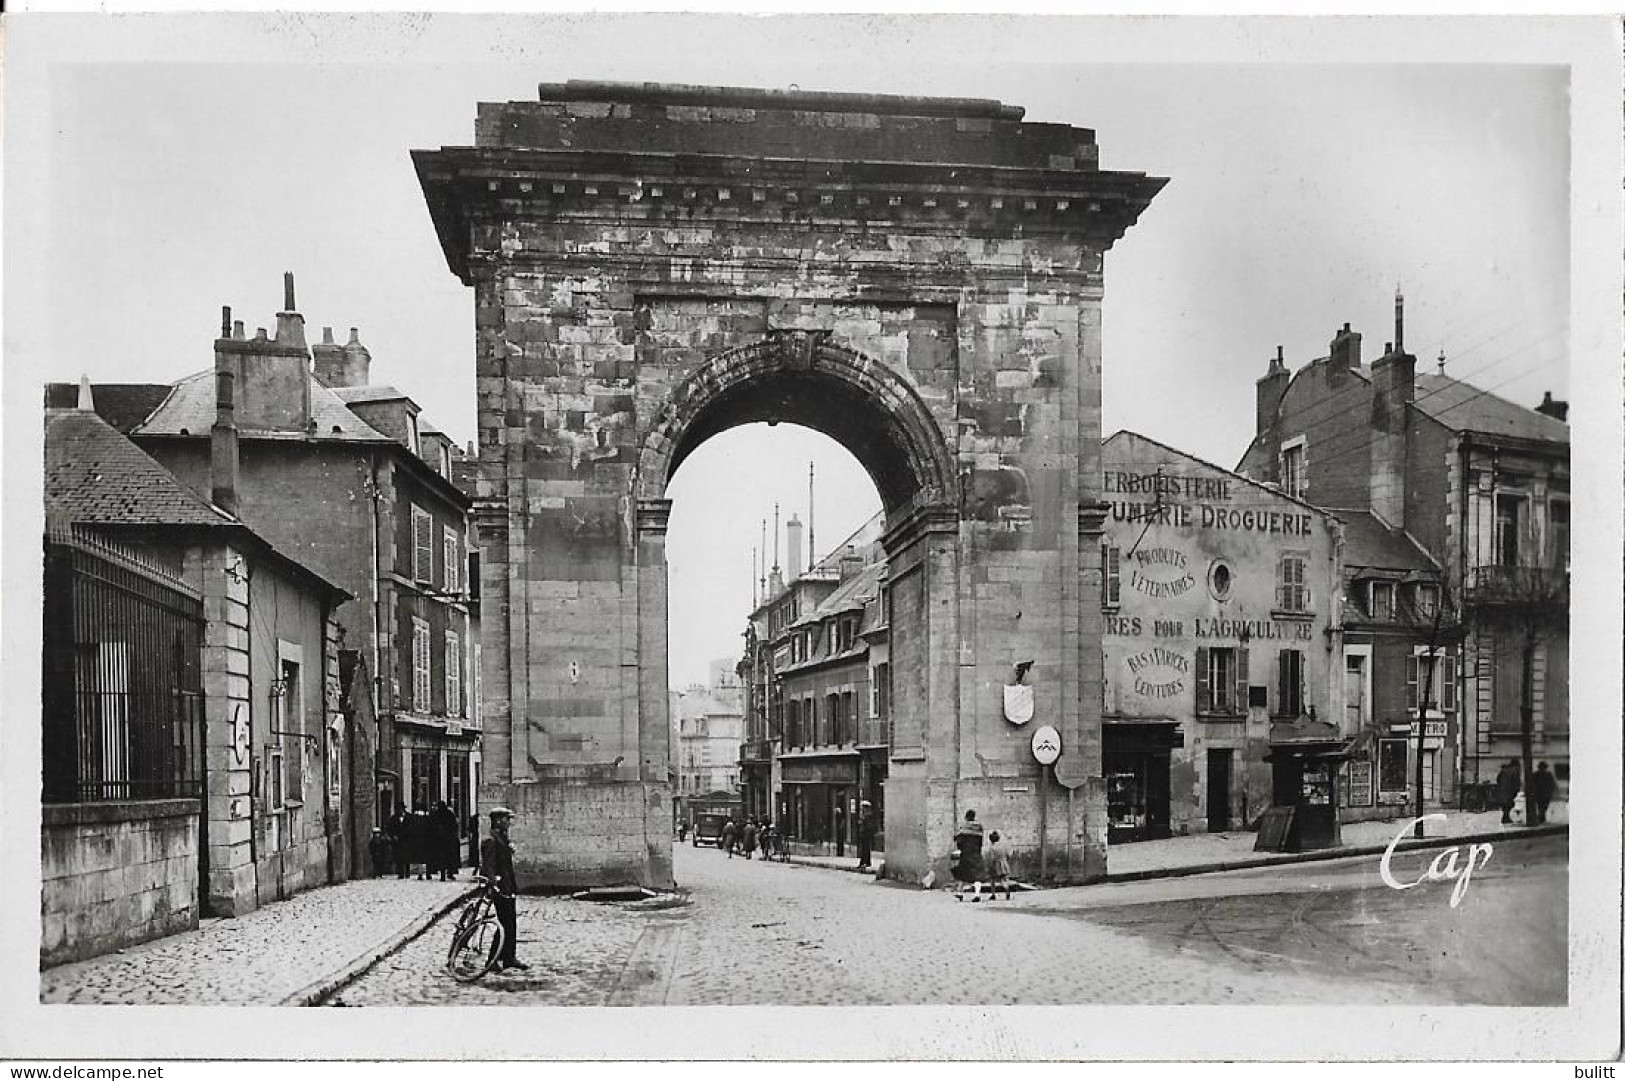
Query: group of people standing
x=1509 y=782
x=975 y=863
x=764 y=835
x=428 y=841
x=753 y=834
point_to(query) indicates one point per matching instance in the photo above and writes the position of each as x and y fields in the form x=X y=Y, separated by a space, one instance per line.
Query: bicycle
x=477 y=940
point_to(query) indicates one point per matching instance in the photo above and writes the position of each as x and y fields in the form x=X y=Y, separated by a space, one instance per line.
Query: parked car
x=708 y=829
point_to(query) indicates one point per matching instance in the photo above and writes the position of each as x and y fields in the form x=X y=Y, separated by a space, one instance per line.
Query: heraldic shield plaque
x=1018 y=703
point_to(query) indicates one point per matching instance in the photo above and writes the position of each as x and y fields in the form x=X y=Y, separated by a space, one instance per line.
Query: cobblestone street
x=263 y=958
x=757 y=933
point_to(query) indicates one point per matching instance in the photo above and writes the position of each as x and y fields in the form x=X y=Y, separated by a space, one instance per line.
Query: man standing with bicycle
x=496 y=864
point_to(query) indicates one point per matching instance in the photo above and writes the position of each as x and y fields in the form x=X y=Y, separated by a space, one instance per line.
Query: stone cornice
x=463 y=183
x=880 y=278
x=918 y=524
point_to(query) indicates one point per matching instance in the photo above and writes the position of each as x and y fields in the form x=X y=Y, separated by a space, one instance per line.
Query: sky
x=1306 y=185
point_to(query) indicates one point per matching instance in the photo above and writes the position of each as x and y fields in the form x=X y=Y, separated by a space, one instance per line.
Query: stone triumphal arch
x=919 y=278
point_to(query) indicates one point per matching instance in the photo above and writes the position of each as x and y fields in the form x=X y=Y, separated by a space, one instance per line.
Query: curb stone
x=314 y=993
x=1323 y=854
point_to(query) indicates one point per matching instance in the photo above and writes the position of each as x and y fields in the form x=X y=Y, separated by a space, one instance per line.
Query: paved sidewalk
x=1221 y=851
x=1203 y=852
x=285 y=954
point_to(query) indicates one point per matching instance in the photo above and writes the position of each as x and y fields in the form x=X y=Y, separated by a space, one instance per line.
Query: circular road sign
x=1046 y=745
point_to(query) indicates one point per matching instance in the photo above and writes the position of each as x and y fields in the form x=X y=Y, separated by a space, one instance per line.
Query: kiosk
x=1304 y=756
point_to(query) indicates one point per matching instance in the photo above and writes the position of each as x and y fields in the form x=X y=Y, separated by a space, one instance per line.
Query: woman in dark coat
x=443 y=833
x=1507 y=784
x=968 y=868
x=399 y=828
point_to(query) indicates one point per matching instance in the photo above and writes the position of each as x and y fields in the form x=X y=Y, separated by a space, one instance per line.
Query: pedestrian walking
x=378 y=852
x=968 y=867
x=496 y=864
x=866 y=835
x=474 y=841
x=1545 y=788
x=998 y=867
x=444 y=837
x=419 y=846
x=728 y=833
x=770 y=839
x=399 y=826
x=682 y=832
x=750 y=836
x=1507 y=786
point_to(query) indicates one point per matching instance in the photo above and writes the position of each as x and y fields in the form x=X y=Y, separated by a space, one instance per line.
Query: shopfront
x=819 y=804
x=1217 y=597
x=1137 y=756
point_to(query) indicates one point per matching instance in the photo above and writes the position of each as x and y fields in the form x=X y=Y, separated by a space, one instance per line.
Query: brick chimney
x=1345 y=349
x=851 y=562
x=357 y=362
x=223 y=462
x=1393 y=389
x=1271 y=389
x=1555 y=408
x=271 y=375
x=792 y=545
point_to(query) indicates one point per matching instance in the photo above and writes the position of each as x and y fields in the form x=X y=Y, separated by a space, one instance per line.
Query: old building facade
x=1221 y=614
x=1482 y=486
x=1401 y=657
x=346 y=476
x=919 y=279
x=193 y=760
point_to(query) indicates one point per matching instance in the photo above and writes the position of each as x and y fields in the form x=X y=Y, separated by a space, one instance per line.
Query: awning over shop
x=1305 y=738
x=843 y=770
x=1140 y=734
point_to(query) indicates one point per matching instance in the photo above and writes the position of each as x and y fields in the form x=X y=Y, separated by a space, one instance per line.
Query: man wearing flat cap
x=866 y=835
x=496 y=864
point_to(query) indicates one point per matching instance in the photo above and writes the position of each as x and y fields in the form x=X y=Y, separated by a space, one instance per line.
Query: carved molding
x=797 y=349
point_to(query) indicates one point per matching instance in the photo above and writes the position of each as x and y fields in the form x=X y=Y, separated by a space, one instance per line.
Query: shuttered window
x=420 y=665
x=1291 y=589
x=1111 y=577
x=453 y=558
x=454 y=675
x=1288 y=683
x=422 y=545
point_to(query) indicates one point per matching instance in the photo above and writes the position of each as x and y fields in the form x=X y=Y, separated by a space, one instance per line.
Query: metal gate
x=122 y=715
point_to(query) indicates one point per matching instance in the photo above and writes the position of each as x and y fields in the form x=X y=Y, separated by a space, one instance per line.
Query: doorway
x=1218 y=790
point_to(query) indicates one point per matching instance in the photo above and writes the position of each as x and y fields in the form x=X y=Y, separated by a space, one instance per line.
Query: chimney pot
x=260 y=335
x=237 y=329
x=327 y=335
x=287 y=292
x=225 y=320
x=87 y=402
x=355 y=336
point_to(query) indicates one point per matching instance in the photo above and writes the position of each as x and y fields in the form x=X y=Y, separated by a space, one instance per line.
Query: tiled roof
x=123 y=405
x=1368 y=541
x=95 y=475
x=190 y=410
x=374 y=393
x=1464 y=407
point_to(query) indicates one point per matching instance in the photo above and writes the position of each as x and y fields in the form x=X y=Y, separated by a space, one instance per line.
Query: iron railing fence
x=123 y=697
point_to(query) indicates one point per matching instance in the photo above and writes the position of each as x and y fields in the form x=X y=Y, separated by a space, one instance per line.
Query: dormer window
x=1381 y=601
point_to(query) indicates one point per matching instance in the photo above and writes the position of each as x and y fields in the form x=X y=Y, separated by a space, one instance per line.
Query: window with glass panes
x=1291 y=587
